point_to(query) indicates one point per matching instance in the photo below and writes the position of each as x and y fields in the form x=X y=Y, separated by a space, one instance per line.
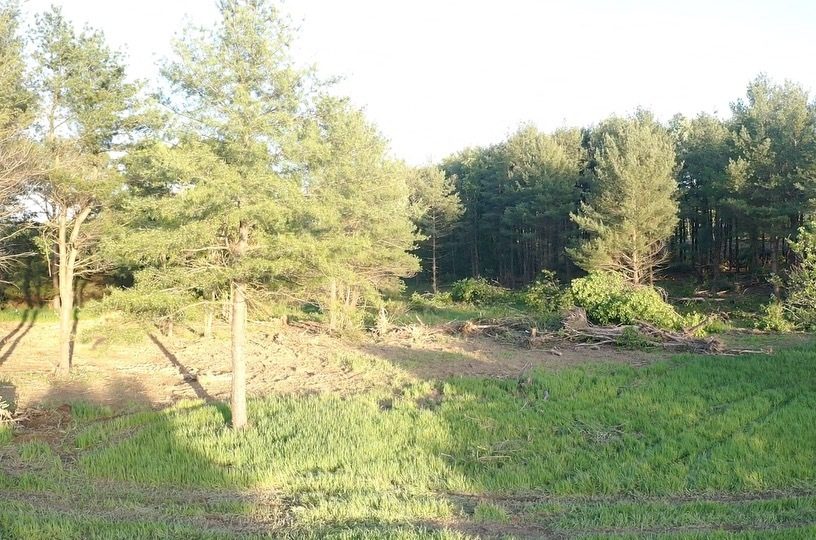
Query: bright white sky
x=439 y=75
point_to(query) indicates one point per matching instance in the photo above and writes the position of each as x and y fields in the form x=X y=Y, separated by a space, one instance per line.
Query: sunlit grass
x=700 y=427
x=28 y=315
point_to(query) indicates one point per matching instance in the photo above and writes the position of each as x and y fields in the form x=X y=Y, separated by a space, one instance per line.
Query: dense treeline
x=744 y=185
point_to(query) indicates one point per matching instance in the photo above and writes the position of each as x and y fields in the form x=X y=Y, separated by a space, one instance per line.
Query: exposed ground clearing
x=158 y=370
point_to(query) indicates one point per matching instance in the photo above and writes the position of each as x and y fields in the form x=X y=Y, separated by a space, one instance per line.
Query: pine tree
x=801 y=297
x=221 y=206
x=703 y=149
x=773 y=176
x=434 y=194
x=544 y=174
x=359 y=198
x=631 y=208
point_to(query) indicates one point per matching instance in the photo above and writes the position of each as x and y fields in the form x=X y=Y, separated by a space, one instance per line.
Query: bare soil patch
x=158 y=370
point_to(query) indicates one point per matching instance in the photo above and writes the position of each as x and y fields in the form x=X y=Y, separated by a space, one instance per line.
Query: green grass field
x=695 y=447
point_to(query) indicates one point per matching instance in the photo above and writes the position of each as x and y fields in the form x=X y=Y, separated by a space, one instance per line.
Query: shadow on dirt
x=190 y=378
x=10 y=342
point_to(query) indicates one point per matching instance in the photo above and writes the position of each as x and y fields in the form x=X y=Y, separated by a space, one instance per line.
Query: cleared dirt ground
x=156 y=369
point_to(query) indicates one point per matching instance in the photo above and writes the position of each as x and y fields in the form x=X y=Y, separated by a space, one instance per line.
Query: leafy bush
x=427 y=301
x=609 y=299
x=478 y=291
x=773 y=318
x=545 y=295
x=632 y=338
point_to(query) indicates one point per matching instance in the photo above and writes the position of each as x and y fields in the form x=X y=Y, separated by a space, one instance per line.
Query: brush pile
x=524 y=332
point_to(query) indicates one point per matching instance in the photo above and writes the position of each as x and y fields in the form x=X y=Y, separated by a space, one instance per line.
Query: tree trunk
x=333 y=305
x=66 y=312
x=55 y=282
x=68 y=251
x=433 y=264
x=66 y=297
x=238 y=399
x=775 y=266
x=238 y=403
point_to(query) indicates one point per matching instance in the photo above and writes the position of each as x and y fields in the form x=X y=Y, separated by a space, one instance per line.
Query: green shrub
x=479 y=291
x=632 y=338
x=429 y=301
x=703 y=324
x=609 y=299
x=773 y=318
x=717 y=325
x=545 y=295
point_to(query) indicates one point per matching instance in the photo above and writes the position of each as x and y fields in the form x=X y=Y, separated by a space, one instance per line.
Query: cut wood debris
x=524 y=332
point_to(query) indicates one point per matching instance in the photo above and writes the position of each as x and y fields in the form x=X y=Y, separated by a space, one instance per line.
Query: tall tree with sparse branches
x=87 y=110
x=439 y=208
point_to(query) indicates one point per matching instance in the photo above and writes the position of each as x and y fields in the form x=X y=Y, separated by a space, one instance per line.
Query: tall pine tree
x=773 y=175
x=632 y=206
x=439 y=209
x=231 y=213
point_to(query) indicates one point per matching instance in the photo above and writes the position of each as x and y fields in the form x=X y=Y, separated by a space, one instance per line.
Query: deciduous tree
x=87 y=111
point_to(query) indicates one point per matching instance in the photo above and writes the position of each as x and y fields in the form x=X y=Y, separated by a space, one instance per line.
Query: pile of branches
x=578 y=328
x=524 y=332
x=513 y=330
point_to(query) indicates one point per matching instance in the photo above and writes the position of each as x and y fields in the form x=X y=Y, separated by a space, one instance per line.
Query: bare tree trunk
x=239 y=319
x=333 y=305
x=66 y=298
x=55 y=282
x=775 y=266
x=238 y=399
x=68 y=251
x=433 y=264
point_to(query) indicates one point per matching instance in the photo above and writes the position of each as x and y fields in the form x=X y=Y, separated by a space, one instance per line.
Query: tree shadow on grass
x=351 y=464
x=106 y=470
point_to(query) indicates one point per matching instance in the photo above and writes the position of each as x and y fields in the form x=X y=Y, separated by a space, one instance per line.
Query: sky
x=437 y=76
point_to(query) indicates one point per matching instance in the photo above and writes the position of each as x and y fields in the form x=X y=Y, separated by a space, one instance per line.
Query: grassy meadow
x=692 y=447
